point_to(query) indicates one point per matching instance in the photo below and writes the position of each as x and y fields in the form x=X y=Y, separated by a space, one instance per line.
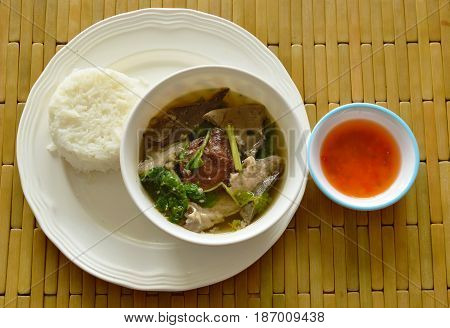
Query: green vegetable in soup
x=234 y=148
x=194 y=192
x=229 y=192
x=171 y=196
x=243 y=197
x=183 y=152
x=260 y=202
x=211 y=198
x=172 y=206
x=236 y=225
x=196 y=161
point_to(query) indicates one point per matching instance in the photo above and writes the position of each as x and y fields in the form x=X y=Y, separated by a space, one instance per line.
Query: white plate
x=86 y=217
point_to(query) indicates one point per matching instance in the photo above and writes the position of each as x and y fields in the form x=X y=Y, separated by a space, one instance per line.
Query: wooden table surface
x=392 y=52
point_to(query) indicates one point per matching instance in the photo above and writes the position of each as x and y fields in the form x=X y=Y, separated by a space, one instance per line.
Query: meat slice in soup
x=217 y=161
x=211 y=160
x=250 y=186
x=248 y=122
x=250 y=209
x=191 y=115
x=162 y=157
x=180 y=121
x=200 y=218
x=254 y=172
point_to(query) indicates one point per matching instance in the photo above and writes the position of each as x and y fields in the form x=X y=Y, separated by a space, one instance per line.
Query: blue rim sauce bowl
x=409 y=154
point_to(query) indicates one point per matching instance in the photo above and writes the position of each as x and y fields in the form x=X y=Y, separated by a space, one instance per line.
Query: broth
x=190 y=125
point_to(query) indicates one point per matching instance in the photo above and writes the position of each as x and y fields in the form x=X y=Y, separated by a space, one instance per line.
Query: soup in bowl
x=207 y=155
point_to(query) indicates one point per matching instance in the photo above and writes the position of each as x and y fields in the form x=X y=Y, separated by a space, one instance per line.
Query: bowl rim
x=194 y=237
x=354 y=205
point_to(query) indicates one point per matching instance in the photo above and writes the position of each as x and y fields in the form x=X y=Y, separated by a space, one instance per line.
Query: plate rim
x=81 y=260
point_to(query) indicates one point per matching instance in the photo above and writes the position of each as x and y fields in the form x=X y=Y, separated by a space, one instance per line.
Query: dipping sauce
x=360 y=158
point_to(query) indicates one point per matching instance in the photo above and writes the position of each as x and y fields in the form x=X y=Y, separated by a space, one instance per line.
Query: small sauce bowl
x=402 y=134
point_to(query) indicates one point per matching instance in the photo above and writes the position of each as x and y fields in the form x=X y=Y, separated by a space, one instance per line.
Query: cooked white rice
x=86 y=116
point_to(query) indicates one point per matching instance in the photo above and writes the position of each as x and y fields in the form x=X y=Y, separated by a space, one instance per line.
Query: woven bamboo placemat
x=392 y=52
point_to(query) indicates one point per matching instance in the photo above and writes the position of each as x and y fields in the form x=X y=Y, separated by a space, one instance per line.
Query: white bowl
x=409 y=154
x=206 y=77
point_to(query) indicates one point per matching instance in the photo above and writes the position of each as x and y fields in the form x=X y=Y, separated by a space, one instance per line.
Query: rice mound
x=86 y=116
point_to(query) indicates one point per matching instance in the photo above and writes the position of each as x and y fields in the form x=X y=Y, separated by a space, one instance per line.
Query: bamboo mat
x=337 y=51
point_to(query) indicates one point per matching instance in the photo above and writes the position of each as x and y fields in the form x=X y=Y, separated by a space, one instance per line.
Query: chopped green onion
x=235 y=224
x=234 y=148
x=196 y=161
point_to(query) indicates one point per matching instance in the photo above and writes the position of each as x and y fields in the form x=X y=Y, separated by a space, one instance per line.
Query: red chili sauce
x=360 y=158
